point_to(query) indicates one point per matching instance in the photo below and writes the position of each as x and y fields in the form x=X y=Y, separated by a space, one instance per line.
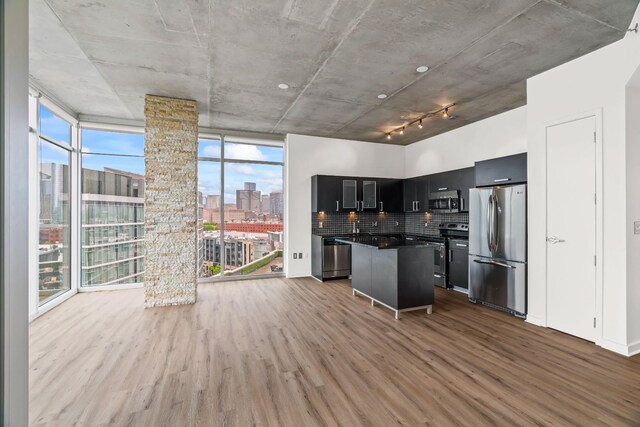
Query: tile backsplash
x=335 y=223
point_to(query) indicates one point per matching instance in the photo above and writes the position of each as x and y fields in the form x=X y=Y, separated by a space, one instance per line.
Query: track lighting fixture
x=445 y=113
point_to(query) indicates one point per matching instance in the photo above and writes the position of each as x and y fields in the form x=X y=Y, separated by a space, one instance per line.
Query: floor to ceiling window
x=112 y=208
x=54 y=159
x=241 y=189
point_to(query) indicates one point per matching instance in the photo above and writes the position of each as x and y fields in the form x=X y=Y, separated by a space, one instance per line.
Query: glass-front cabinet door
x=369 y=195
x=349 y=194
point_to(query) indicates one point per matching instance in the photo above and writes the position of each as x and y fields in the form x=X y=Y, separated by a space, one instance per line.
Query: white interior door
x=571 y=227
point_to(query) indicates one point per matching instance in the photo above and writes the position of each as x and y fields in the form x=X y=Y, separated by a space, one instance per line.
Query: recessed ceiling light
x=382 y=96
x=422 y=69
x=283 y=86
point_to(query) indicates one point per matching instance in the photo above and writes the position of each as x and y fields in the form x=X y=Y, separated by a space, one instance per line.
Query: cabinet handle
x=450 y=255
x=381 y=206
x=337 y=205
x=417 y=205
x=443 y=188
x=502 y=180
x=462 y=246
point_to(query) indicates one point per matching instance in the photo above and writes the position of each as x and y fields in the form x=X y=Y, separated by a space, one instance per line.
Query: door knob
x=553 y=240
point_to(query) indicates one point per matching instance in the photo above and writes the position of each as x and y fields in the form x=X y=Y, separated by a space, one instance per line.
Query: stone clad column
x=170 y=201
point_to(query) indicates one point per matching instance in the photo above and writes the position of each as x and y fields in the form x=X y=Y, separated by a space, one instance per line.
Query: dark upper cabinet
x=350 y=194
x=342 y=193
x=466 y=181
x=391 y=195
x=416 y=194
x=502 y=171
x=443 y=181
x=326 y=193
x=368 y=194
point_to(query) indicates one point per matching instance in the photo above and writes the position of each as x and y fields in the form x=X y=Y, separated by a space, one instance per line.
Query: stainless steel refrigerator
x=498 y=247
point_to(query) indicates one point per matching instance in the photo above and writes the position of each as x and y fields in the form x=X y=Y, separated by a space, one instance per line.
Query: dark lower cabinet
x=361 y=263
x=398 y=278
x=458 y=264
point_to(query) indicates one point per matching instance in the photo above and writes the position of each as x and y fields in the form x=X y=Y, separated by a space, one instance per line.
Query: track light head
x=446 y=112
x=389 y=135
x=420 y=124
x=402 y=131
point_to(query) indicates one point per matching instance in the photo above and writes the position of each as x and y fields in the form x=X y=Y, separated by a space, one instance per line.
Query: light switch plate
x=636 y=227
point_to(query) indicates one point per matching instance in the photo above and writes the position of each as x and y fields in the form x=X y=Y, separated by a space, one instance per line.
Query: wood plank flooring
x=297 y=352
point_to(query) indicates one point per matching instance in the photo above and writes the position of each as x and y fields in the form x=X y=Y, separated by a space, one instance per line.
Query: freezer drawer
x=502 y=284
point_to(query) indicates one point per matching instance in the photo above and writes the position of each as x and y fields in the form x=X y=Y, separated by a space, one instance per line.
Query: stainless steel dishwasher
x=336 y=259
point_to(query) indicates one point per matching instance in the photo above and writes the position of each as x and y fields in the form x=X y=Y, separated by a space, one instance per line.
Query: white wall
x=307 y=156
x=14 y=164
x=593 y=82
x=497 y=136
x=633 y=211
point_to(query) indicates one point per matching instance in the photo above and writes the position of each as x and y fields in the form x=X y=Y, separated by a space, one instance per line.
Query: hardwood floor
x=299 y=352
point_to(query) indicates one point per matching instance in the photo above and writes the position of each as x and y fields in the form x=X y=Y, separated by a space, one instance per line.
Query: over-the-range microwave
x=446 y=201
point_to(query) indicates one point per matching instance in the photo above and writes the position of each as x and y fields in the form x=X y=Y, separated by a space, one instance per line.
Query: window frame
x=36 y=100
x=249 y=139
x=103 y=127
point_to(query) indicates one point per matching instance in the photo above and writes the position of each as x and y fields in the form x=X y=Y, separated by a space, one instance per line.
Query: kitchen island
x=392 y=272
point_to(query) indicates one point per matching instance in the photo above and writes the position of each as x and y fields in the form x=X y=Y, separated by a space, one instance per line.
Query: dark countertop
x=382 y=241
x=421 y=237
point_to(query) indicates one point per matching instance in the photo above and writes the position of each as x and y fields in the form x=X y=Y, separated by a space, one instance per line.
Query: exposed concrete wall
x=14 y=191
x=171 y=178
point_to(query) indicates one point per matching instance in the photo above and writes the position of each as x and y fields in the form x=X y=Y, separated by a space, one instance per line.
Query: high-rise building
x=265 y=205
x=54 y=230
x=276 y=204
x=112 y=227
x=248 y=200
x=212 y=201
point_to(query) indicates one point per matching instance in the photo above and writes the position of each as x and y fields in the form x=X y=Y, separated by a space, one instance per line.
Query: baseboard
x=634 y=348
x=536 y=321
x=625 y=350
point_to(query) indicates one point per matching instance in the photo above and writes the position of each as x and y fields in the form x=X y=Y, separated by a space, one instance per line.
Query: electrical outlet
x=636 y=227
x=295 y=255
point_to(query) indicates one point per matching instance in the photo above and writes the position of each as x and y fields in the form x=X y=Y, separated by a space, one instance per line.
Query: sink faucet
x=354 y=229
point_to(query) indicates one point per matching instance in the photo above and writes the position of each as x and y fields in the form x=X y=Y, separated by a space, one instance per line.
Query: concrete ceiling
x=101 y=57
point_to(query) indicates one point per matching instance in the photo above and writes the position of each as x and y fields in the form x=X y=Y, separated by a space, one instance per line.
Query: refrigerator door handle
x=489 y=223
x=499 y=264
x=495 y=228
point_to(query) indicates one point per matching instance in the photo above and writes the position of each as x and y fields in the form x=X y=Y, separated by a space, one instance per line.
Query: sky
x=102 y=149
